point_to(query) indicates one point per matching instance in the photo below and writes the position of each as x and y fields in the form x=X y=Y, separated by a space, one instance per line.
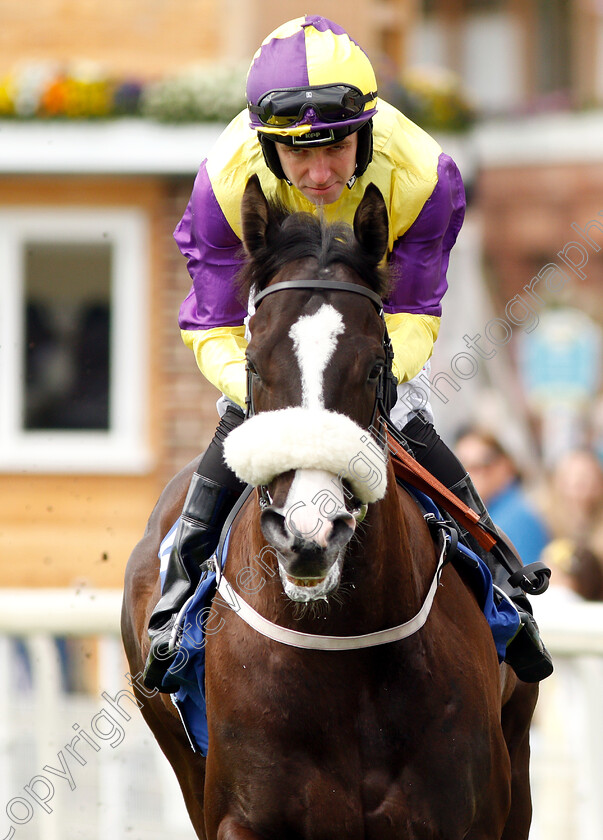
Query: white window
x=73 y=328
x=492 y=65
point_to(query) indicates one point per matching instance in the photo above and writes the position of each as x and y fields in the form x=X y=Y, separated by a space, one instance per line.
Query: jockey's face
x=320 y=173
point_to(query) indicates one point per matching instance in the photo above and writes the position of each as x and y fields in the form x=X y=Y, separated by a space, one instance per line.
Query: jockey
x=316 y=134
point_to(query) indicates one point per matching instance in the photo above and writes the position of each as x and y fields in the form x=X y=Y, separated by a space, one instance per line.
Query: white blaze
x=315 y=496
x=314 y=341
x=314 y=492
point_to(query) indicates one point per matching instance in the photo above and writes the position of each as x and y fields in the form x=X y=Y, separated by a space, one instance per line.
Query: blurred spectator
x=499 y=483
x=574 y=568
x=573 y=500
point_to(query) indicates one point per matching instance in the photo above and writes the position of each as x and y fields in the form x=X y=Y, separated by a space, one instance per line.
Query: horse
x=322 y=724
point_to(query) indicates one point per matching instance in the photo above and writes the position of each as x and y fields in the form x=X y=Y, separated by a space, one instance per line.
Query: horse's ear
x=255 y=216
x=371 y=224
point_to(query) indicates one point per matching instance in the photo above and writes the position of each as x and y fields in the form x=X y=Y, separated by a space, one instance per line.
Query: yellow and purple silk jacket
x=424 y=194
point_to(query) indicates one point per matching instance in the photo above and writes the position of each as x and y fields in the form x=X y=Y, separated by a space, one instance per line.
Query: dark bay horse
x=320 y=727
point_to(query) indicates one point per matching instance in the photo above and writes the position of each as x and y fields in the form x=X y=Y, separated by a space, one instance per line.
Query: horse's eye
x=251 y=368
x=376 y=371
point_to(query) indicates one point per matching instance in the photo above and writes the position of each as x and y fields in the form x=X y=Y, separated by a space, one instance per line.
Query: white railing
x=70 y=762
x=76 y=763
x=567 y=735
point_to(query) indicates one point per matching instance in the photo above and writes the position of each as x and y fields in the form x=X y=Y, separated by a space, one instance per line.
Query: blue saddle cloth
x=189 y=667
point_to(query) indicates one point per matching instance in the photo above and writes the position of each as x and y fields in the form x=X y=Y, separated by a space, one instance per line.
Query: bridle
x=386 y=372
x=338 y=286
x=268 y=628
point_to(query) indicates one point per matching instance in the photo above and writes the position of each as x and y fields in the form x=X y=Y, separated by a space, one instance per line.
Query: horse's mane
x=295 y=236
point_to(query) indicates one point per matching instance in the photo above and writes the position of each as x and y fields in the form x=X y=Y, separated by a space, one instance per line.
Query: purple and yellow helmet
x=310 y=84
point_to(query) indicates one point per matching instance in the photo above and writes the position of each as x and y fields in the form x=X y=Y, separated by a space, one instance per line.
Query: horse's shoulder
x=246 y=526
x=411 y=510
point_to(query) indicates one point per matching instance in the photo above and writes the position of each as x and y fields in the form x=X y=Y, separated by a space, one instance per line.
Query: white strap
x=310 y=641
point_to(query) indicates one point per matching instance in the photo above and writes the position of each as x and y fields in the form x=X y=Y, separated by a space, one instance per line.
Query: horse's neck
x=394 y=551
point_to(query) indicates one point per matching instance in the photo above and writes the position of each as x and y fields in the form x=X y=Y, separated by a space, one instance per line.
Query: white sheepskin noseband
x=274 y=442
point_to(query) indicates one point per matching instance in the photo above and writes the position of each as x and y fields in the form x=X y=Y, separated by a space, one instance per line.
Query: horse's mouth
x=304 y=589
x=312 y=581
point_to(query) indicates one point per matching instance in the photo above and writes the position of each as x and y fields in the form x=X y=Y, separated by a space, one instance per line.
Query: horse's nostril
x=273 y=526
x=342 y=530
x=283 y=532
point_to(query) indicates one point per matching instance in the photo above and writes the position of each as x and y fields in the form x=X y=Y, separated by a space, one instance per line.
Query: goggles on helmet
x=284 y=107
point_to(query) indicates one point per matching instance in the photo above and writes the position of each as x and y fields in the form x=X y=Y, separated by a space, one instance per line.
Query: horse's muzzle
x=308 y=550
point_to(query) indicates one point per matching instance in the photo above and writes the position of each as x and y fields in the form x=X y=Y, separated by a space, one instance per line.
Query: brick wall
x=527 y=217
x=59 y=529
x=151 y=38
x=129 y=36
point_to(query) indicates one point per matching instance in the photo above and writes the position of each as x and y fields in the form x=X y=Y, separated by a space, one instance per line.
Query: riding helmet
x=310 y=84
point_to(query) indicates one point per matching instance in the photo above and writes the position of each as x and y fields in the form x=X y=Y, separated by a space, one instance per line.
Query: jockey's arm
x=418 y=263
x=220 y=355
x=211 y=318
x=412 y=337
